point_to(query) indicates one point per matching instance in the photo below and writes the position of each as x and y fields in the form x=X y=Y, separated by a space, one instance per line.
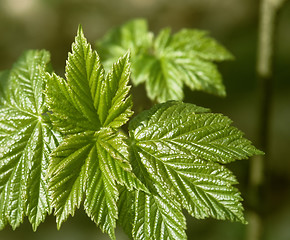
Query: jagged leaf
x=154 y=214
x=87 y=99
x=197 y=41
x=180 y=146
x=26 y=140
x=157 y=217
x=79 y=168
x=92 y=161
x=126 y=210
x=169 y=61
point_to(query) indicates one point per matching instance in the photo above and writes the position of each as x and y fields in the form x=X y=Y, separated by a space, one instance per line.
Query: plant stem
x=258 y=165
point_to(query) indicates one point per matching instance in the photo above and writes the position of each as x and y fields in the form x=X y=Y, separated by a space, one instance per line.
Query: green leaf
x=26 y=140
x=169 y=61
x=92 y=161
x=67 y=173
x=191 y=130
x=126 y=210
x=88 y=166
x=115 y=107
x=180 y=146
x=157 y=217
x=87 y=99
x=153 y=214
x=202 y=45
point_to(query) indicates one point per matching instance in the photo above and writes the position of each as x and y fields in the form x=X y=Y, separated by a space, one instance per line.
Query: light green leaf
x=180 y=147
x=191 y=130
x=26 y=140
x=157 y=217
x=154 y=214
x=26 y=83
x=66 y=117
x=201 y=44
x=67 y=173
x=92 y=161
x=88 y=166
x=87 y=99
x=169 y=61
x=164 y=83
x=126 y=210
x=115 y=107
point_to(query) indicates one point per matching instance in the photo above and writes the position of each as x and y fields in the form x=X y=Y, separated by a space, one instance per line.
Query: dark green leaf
x=191 y=130
x=155 y=214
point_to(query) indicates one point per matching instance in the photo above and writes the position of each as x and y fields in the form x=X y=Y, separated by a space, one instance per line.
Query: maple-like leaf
x=167 y=62
x=26 y=140
x=88 y=108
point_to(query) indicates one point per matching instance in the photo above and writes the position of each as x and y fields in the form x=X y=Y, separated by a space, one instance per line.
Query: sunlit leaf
x=26 y=140
x=92 y=161
x=62 y=146
x=180 y=146
x=157 y=217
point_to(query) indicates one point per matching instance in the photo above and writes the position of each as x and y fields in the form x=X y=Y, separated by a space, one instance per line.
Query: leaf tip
x=80 y=30
x=127 y=55
x=34 y=227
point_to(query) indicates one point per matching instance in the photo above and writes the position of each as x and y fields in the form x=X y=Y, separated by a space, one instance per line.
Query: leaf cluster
x=167 y=62
x=62 y=147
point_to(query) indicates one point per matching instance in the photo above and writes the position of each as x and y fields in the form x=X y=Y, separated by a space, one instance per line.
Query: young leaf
x=203 y=46
x=87 y=99
x=168 y=62
x=26 y=140
x=133 y=35
x=180 y=146
x=88 y=108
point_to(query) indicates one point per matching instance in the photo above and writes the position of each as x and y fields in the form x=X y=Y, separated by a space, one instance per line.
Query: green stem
x=267 y=24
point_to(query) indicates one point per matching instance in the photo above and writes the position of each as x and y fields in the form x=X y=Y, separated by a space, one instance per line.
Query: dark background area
x=52 y=25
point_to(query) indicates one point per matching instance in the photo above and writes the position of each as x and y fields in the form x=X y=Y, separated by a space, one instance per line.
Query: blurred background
x=52 y=25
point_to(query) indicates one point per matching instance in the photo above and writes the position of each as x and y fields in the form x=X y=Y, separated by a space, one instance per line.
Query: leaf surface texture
x=26 y=140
